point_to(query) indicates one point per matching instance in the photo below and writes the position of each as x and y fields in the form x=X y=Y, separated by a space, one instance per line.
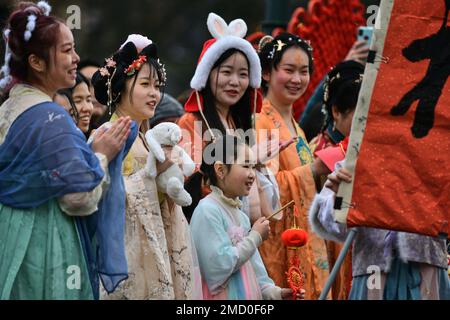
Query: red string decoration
x=295 y=277
x=293 y=239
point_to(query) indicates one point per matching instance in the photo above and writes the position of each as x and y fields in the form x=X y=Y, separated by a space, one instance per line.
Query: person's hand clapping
x=110 y=141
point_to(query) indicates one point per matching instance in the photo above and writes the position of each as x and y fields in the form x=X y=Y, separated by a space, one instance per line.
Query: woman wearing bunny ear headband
x=287 y=64
x=225 y=100
x=225 y=82
x=161 y=258
x=49 y=177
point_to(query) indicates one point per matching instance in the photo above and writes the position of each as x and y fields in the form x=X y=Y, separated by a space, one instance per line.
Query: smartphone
x=365 y=34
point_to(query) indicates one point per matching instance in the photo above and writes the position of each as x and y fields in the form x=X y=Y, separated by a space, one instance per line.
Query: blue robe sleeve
x=102 y=234
x=45 y=156
x=263 y=278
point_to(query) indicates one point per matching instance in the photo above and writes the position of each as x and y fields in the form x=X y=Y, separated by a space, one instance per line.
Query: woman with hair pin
x=287 y=64
x=159 y=251
x=48 y=174
x=342 y=85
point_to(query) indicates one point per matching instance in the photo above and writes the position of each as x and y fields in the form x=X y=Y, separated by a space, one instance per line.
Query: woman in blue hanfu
x=51 y=180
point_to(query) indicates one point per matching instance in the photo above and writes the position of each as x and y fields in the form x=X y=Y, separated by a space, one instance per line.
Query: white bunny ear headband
x=219 y=28
x=226 y=36
x=31 y=25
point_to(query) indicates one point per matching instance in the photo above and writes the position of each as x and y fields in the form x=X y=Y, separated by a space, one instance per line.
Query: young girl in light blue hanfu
x=227 y=246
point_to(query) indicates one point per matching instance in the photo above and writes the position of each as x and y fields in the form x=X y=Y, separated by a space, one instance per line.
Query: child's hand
x=266 y=149
x=270 y=148
x=262 y=227
x=337 y=177
x=286 y=294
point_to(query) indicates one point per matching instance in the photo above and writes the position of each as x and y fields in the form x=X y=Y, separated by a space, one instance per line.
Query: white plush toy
x=171 y=181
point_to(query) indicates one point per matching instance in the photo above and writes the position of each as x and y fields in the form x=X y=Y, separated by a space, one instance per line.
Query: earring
x=334 y=125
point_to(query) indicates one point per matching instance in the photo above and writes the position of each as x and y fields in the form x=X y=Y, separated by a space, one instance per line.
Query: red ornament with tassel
x=295 y=238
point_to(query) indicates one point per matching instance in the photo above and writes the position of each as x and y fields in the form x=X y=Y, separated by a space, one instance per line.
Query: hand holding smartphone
x=365 y=34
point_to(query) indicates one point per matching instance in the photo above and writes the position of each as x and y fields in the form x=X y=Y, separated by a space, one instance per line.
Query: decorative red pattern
x=294 y=238
x=295 y=277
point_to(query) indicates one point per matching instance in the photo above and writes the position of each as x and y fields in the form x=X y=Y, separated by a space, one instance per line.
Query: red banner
x=402 y=174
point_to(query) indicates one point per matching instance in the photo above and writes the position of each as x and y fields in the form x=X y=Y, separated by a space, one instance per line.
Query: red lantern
x=294 y=238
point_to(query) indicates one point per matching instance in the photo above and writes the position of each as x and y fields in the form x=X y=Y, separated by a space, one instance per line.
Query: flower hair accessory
x=136 y=65
x=45 y=7
x=31 y=24
x=280 y=44
x=326 y=98
x=111 y=64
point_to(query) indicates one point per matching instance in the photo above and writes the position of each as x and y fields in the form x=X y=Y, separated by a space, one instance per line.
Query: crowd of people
x=79 y=206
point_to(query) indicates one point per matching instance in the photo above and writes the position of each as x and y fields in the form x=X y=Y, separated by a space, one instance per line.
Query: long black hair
x=241 y=112
x=223 y=149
